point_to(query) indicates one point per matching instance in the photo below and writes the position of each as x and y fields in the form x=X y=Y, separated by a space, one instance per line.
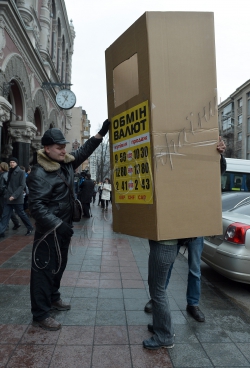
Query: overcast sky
x=98 y=23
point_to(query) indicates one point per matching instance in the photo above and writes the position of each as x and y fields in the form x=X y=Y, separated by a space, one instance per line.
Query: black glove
x=65 y=230
x=105 y=128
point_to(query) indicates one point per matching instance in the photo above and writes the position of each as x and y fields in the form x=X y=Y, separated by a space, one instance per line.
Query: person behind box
x=159 y=271
x=51 y=205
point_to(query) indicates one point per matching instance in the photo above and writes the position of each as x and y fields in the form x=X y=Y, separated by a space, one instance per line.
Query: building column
x=22 y=133
x=35 y=146
x=5 y=109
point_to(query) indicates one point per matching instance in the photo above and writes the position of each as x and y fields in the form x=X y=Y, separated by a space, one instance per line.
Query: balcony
x=85 y=133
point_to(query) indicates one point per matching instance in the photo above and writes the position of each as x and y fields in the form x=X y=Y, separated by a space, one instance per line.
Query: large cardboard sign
x=162 y=101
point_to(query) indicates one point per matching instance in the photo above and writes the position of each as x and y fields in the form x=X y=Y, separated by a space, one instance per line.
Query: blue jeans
x=161 y=257
x=7 y=212
x=195 y=248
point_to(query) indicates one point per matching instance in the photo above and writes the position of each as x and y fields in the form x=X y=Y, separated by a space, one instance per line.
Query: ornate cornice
x=22 y=131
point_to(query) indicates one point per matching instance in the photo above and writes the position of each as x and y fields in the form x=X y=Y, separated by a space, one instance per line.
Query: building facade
x=36 y=48
x=79 y=132
x=234 y=122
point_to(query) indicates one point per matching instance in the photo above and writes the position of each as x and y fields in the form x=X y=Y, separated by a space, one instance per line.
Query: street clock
x=66 y=99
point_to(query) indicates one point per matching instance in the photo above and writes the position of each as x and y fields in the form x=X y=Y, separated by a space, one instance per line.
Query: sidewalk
x=106 y=284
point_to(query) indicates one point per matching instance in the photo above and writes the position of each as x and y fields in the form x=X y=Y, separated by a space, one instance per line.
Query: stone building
x=234 y=122
x=36 y=47
x=80 y=131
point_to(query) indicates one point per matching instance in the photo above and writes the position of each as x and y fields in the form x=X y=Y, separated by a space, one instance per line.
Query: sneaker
x=151 y=344
x=49 y=324
x=195 y=312
x=59 y=305
x=16 y=227
x=29 y=232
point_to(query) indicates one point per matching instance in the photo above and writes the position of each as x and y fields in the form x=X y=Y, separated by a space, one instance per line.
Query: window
x=240 y=136
x=248 y=107
x=248 y=94
x=226 y=123
x=240 y=103
x=239 y=119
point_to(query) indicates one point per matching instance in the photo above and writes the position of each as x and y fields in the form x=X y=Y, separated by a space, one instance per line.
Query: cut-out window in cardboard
x=125 y=80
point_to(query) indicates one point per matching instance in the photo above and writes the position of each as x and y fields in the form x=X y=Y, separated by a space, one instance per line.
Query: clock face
x=66 y=99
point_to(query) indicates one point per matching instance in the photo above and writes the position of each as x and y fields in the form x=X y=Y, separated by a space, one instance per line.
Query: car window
x=234 y=181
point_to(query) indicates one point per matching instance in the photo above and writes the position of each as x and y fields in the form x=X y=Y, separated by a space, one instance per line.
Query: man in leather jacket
x=50 y=204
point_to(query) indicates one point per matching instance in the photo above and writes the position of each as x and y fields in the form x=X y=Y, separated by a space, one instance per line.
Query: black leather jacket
x=50 y=200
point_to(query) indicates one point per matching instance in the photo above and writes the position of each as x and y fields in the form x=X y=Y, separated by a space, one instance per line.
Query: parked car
x=229 y=253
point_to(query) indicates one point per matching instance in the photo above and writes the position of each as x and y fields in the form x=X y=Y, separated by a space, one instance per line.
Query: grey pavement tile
x=110 y=304
x=227 y=319
x=225 y=355
x=73 y=267
x=138 y=318
x=20 y=316
x=66 y=291
x=86 y=268
x=178 y=318
x=83 y=304
x=240 y=333
x=81 y=318
x=244 y=348
x=135 y=293
x=135 y=304
x=21 y=302
x=189 y=356
x=85 y=293
x=59 y=316
x=91 y=262
x=75 y=261
x=110 y=293
x=173 y=304
x=207 y=332
x=110 y=318
x=184 y=334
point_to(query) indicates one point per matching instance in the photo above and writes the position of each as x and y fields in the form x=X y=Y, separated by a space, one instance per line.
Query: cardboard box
x=161 y=90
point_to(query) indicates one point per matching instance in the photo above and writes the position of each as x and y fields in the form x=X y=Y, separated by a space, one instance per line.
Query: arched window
x=63 y=60
x=59 y=54
x=16 y=101
x=67 y=67
x=53 y=28
x=38 y=121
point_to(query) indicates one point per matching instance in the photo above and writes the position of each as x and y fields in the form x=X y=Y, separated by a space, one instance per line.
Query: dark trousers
x=7 y=212
x=86 y=209
x=103 y=202
x=93 y=197
x=44 y=283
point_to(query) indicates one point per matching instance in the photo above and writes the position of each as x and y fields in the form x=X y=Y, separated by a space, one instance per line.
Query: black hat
x=13 y=159
x=53 y=136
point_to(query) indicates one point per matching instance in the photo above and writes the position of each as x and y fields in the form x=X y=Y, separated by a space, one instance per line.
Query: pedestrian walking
x=85 y=194
x=13 y=198
x=51 y=198
x=4 y=168
x=105 y=197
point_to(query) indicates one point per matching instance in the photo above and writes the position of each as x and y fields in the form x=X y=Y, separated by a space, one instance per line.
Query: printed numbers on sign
x=141 y=168
x=121 y=171
x=123 y=157
x=141 y=153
